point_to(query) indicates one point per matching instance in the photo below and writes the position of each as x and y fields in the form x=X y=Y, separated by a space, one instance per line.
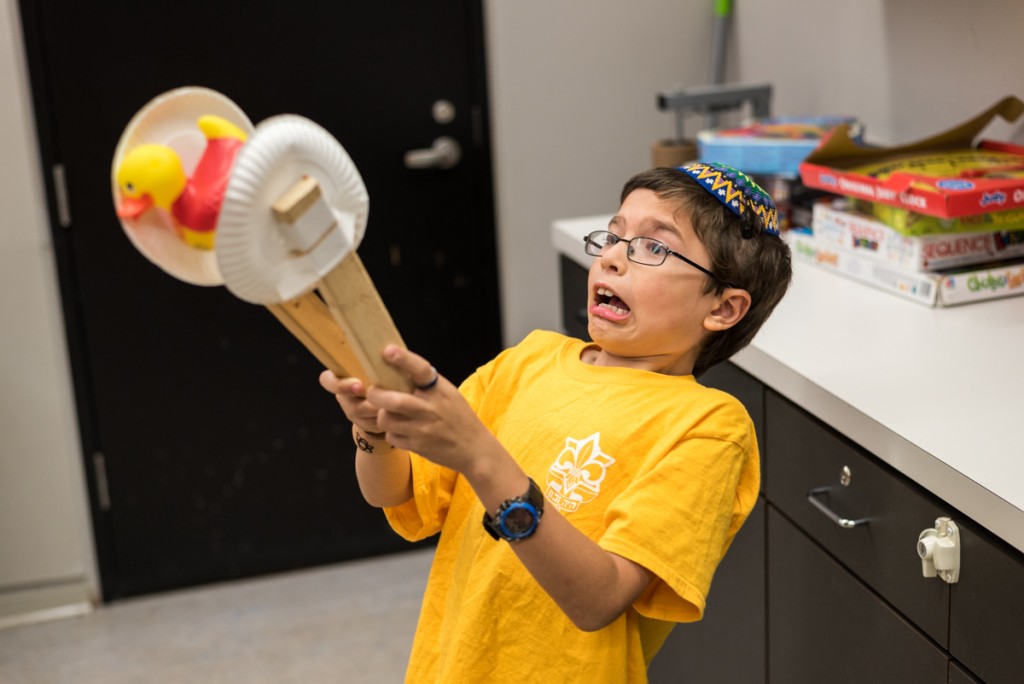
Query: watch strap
x=531 y=502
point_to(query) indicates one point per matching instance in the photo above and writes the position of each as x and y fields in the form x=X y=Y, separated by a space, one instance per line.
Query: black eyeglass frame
x=630 y=250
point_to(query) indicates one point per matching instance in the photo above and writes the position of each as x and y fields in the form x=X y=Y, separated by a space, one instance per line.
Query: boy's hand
x=434 y=421
x=351 y=396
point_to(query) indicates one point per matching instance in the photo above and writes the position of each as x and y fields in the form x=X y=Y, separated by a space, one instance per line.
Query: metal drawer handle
x=845 y=523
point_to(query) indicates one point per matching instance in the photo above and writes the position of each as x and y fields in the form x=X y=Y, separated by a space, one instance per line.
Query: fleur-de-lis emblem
x=576 y=475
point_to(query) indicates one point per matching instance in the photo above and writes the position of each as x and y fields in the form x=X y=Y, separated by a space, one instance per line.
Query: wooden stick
x=351 y=298
x=290 y=207
x=308 y=319
x=357 y=307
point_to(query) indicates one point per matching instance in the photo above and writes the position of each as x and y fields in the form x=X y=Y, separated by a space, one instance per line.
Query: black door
x=211 y=450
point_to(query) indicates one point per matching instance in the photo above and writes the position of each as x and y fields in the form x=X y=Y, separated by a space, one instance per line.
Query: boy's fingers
x=414 y=365
x=335 y=385
x=329 y=381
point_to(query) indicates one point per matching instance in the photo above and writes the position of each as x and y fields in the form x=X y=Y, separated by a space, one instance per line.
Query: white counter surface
x=938 y=394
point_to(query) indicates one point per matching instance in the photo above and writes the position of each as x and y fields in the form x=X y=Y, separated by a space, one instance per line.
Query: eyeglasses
x=639 y=250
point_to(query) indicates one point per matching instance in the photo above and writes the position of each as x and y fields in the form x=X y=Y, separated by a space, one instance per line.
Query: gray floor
x=349 y=623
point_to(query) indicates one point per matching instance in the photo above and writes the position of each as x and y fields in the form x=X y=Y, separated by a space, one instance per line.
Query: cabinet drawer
x=825 y=626
x=986 y=617
x=958 y=675
x=574 y=297
x=804 y=457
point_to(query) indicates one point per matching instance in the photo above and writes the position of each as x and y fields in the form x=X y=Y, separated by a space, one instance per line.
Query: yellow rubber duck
x=152 y=175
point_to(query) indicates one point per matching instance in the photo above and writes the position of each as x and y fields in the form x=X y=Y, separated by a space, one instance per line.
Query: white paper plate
x=253 y=256
x=170 y=119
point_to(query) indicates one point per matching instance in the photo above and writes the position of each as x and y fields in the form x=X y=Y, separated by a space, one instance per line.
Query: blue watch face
x=519 y=520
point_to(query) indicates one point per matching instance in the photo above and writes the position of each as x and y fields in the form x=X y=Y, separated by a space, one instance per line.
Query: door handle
x=443 y=154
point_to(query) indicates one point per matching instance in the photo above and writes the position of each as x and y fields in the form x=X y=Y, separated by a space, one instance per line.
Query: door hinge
x=60 y=191
x=99 y=467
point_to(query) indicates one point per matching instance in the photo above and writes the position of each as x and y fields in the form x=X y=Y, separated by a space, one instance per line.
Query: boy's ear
x=733 y=305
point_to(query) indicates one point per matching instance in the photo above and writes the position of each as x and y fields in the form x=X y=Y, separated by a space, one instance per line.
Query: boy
x=585 y=492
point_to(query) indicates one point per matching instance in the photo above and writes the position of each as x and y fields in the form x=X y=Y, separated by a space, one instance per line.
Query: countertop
x=938 y=394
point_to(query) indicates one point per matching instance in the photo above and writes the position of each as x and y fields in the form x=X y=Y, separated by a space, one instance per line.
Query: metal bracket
x=716 y=98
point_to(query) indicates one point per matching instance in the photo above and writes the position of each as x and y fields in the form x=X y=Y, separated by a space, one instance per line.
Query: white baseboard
x=54 y=600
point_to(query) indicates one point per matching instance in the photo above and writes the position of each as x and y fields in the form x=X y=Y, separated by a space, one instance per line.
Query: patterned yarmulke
x=737 y=191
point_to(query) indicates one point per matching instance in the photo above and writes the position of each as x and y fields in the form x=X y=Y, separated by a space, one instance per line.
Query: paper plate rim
x=252 y=257
x=173 y=111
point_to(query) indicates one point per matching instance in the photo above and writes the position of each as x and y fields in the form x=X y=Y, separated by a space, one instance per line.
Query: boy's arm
x=383 y=471
x=592 y=586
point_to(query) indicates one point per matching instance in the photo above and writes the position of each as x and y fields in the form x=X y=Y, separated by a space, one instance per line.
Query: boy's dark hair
x=753 y=260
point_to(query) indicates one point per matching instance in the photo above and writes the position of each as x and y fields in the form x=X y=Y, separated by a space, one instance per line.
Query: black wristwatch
x=517 y=518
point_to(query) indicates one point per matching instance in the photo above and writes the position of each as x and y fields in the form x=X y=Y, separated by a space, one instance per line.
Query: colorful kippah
x=737 y=191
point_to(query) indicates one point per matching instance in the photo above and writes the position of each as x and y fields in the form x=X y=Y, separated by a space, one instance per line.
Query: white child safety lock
x=939 y=549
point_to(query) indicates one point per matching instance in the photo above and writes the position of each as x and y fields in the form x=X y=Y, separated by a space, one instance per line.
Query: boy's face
x=650 y=317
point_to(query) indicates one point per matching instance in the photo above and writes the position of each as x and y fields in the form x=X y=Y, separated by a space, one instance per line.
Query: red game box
x=944 y=175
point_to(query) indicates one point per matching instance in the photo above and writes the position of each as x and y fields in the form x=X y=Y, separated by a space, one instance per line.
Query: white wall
x=573 y=105
x=906 y=68
x=46 y=556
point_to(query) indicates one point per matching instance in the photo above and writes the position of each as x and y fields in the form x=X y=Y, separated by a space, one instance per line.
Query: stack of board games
x=940 y=268
x=940 y=221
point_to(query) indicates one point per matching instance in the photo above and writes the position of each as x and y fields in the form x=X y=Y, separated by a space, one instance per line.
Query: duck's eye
x=130 y=187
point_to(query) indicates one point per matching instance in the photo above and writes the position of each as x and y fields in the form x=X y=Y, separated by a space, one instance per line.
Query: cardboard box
x=769 y=146
x=909 y=222
x=975 y=284
x=946 y=288
x=919 y=287
x=939 y=176
x=836 y=224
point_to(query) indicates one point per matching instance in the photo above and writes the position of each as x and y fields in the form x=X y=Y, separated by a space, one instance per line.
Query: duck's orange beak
x=133 y=207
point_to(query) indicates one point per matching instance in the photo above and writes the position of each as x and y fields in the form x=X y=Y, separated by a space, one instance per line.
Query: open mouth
x=606 y=299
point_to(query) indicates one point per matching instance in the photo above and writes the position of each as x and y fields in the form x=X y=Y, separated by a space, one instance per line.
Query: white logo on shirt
x=576 y=475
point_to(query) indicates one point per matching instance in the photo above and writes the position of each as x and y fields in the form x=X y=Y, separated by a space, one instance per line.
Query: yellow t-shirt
x=655 y=468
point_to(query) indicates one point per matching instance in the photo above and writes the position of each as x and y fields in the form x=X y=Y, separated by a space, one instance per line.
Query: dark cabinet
x=826 y=626
x=957 y=675
x=810 y=464
x=574 y=297
x=860 y=598
x=987 y=608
